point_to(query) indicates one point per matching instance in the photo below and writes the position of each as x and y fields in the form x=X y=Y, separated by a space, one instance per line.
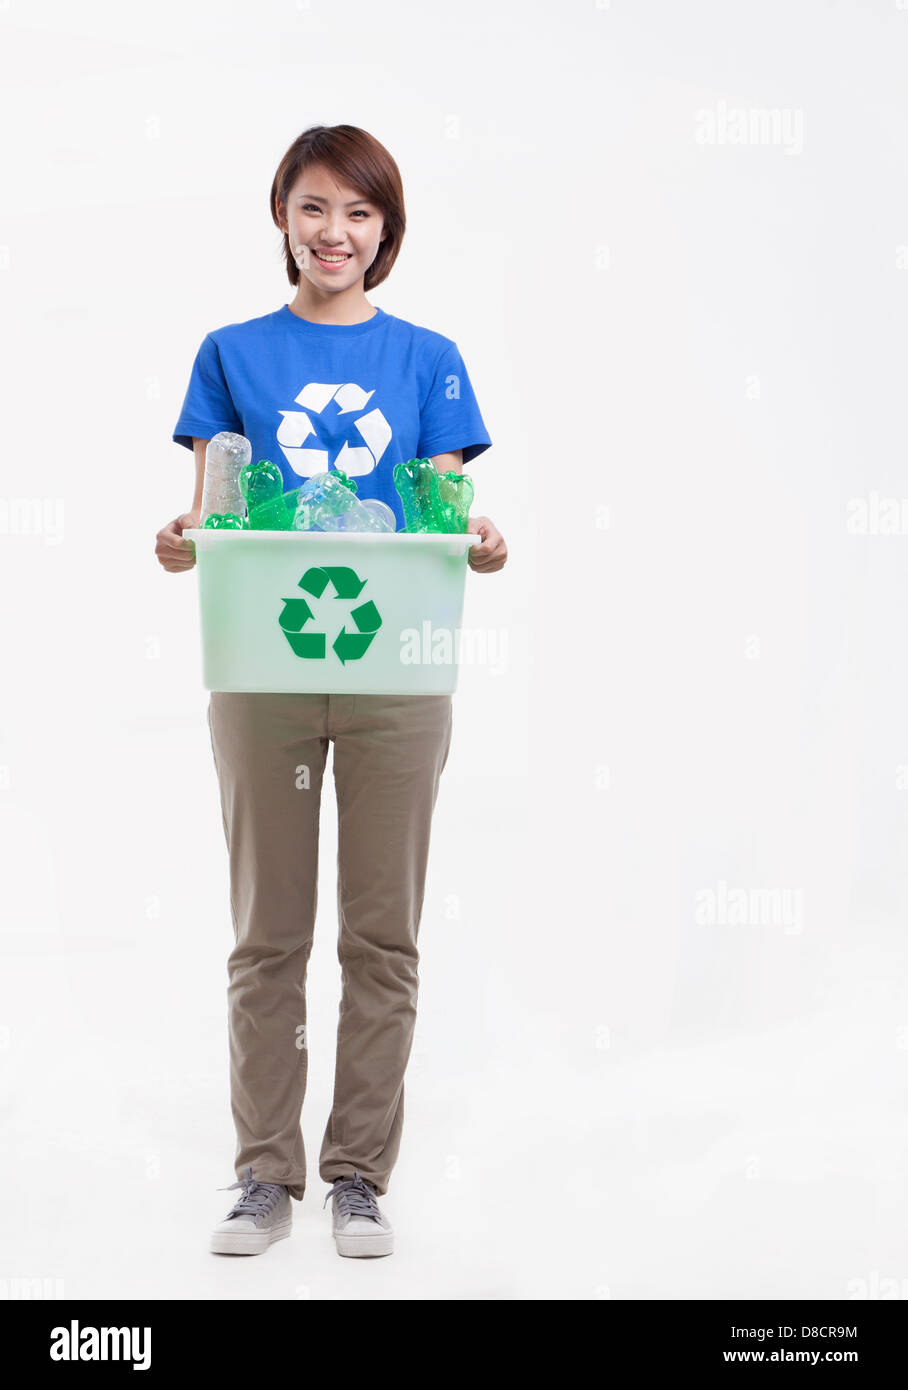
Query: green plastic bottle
x=260 y=482
x=262 y=486
x=432 y=502
x=417 y=486
x=456 y=492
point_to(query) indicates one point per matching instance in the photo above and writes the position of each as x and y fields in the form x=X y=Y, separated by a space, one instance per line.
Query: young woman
x=327 y=381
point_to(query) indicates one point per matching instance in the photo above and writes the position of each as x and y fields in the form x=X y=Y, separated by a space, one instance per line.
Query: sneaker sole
x=249 y=1242
x=365 y=1246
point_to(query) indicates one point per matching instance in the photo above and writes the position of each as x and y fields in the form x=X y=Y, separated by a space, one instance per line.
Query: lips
x=343 y=255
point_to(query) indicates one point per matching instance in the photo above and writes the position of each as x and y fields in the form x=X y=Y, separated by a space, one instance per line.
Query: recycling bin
x=330 y=613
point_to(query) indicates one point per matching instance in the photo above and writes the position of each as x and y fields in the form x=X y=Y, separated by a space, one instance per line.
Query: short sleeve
x=450 y=417
x=208 y=407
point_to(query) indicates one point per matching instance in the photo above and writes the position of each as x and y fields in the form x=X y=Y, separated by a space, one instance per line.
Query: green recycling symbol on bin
x=349 y=646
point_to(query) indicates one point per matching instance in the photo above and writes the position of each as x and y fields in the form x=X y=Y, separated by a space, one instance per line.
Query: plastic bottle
x=225 y=455
x=456 y=493
x=260 y=482
x=381 y=510
x=327 y=503
x=262 y=486
x=417 y=486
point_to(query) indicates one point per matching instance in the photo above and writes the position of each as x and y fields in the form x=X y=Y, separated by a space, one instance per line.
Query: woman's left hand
x=493 y=552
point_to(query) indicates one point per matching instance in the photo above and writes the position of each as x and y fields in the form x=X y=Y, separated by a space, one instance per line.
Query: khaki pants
x=270 y=753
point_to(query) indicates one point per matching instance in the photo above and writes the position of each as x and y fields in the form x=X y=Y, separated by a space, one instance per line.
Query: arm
x=199 y=447
x=174 y=551
x=447 y=463
x=493 y=552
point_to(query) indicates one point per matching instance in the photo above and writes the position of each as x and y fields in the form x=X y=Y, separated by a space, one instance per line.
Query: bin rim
x=467 y=538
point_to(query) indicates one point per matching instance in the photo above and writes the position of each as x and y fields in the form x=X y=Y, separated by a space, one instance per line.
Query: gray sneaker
x=262 y=1215
x=358 y=1227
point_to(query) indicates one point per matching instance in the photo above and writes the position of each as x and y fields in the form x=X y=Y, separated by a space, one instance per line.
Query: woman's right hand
x=173 y=551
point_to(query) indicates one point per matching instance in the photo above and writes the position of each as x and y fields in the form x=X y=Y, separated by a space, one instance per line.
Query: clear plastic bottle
x=226 y=454
x=326 y=503
x=381 y=510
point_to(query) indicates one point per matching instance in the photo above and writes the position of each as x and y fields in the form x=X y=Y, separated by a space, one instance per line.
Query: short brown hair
x=360 y=160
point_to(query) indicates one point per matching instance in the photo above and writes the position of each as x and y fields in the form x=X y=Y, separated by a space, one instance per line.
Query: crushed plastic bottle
x=417 y=486
x=276 y=515
x=456 y=493
x=270 y=509
x=270 y=516
x=260 y=482
x=381 y=510
x=359 y=518
x=328 y=503
x=291 y=502
x=224 y=521
x=366 y=514
x=430 y=502
x=225 y=455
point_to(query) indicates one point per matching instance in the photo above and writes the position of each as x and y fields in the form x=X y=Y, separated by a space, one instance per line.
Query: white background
x=690 y=356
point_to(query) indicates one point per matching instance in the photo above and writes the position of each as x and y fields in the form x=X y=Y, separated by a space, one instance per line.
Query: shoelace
x=354 y=1198
x=258 y=1197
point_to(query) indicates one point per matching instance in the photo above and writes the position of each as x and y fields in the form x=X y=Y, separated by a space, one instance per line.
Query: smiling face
x=334 y=230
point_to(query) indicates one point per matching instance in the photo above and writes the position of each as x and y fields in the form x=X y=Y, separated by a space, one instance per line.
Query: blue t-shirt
x=315 y=396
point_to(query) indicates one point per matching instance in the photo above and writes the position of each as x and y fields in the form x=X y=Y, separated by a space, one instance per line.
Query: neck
x=346 y=307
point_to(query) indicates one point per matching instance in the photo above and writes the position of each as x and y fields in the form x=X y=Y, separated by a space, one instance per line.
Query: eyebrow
x=316 y=199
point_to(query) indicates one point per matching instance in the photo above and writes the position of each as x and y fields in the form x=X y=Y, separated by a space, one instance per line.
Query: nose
x=333 y=233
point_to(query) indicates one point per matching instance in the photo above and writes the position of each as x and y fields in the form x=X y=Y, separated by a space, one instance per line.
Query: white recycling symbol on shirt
x=296 y=427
